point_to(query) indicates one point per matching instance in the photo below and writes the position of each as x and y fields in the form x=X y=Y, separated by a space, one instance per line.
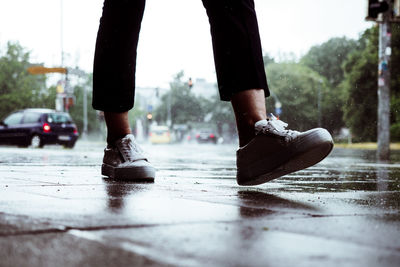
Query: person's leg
x=115 y=64
x=237 y=47
x=238 y=61
x=114 y=88
x=267 y=149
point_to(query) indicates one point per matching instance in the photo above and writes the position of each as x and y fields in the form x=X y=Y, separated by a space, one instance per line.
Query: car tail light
x=212 y=136
x=46 y=128
x=75 y=130
x=197 y=135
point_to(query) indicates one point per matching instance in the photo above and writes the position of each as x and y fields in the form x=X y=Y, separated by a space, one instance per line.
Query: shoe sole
x=297 y=163
x=132 y=174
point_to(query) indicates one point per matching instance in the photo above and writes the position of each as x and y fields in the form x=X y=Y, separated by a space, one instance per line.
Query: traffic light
x=375 y=7
x=190 y=83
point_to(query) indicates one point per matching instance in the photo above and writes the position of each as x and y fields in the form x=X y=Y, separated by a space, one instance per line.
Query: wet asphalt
x=57 y=210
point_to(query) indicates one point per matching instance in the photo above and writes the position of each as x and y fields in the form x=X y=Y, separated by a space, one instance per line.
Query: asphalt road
x=57 y=210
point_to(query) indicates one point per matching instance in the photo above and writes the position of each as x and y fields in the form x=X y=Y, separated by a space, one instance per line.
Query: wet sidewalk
x=57 y=210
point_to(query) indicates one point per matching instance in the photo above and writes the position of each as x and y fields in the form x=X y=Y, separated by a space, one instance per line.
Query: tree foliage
x=196 y=111
x=76 y=111
x=360 y=87
x=18 y=88
x=297 y=87
x=222 y=115
x=183 y=104
x=327 y=59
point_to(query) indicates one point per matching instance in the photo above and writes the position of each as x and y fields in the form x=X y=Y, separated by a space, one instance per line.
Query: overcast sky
x=175 y=33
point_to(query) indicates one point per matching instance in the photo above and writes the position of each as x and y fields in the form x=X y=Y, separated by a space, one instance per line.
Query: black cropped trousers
x=236 y=45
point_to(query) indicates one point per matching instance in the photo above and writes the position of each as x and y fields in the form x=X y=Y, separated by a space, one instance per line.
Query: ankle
x=245 y=139
x=112 y=137
x=117 y=126
x=249 y=107
x=246 y=132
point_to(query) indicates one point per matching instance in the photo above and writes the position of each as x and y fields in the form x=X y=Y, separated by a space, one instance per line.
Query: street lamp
x=319 y=102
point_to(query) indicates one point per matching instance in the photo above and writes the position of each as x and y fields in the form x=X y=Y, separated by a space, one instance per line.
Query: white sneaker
x=125 y=160
x=275 y=152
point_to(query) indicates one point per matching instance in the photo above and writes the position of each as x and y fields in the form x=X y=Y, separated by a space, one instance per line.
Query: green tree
x=327 y=60
x=185 y=106
x=297 y=87
x=76 y=111
x=360 y=87
x=222 y=115
x=18 y=88
x=268 y=59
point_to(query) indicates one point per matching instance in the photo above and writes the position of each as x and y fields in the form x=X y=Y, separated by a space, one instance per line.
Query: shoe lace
x=277 y=127
x=128 y=148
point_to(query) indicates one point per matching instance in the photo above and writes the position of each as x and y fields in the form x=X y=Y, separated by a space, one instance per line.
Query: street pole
x=169 y=109
x=319 y=102
x=85 y=120
x=62 y=32
x=383 y=152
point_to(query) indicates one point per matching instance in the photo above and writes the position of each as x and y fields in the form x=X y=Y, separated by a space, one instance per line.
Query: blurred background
x=321 y=60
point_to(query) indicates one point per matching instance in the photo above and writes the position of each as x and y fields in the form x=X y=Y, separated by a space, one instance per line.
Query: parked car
x=38 y=127
x=206 y=136
x=160 y=135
